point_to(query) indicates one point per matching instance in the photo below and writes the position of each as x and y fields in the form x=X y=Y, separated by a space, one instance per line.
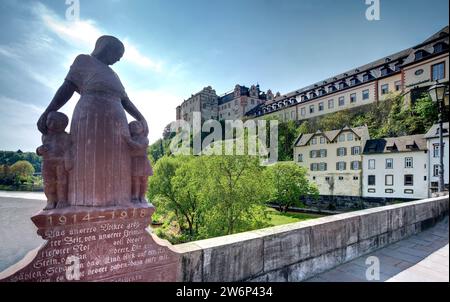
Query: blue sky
x=176 y=47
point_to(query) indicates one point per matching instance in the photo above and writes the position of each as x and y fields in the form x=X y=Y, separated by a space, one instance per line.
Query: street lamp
x=437 y=94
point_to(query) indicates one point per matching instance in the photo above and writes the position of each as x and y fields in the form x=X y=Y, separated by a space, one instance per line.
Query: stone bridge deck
x=420 y=258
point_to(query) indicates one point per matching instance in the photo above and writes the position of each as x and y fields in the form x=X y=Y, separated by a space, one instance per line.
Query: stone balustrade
x=298 y=251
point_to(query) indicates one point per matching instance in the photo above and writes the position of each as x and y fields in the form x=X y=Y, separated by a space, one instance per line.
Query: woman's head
x=108 y=49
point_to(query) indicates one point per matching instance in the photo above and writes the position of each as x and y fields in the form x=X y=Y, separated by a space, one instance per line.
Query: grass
x=278 y=218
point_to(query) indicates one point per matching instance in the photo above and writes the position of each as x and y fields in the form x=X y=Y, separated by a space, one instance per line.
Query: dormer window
x=397 y=66
x=322 y=91
x=353 y=81
x=342 y=85
x=411 y=145
x=439 y=47
x=366 y=77
x=385 y=71
x=391 y=147
x=331 y=88
x=420 y=54
x=304 y=98
x=312 y=94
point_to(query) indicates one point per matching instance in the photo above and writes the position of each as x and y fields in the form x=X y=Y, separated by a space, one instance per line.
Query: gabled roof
x=433 y=132
x=410 y=143
x=303 y=139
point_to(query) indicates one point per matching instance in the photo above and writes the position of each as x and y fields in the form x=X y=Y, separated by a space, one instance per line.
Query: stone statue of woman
x=101 y=172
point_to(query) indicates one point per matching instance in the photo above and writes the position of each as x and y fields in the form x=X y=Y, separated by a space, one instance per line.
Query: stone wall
x=298 y=251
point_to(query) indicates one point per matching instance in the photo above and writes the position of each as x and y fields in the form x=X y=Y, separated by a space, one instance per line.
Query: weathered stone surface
x=399 y=217
x=191 y=268
x=286 y=248
x=97 y=244
x=334 y=234
x=332 y=240
x=373 y=224
x=426 y=210
x=232 y=258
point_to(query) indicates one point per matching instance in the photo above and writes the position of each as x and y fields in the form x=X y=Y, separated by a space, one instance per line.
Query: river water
x=17 y=231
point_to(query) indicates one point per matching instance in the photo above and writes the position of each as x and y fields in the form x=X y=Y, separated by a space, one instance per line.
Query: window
x=355 y=177
x=341 y=138
x=311 y=109
x=321 y=106
x=331 y=88
x=350 y=137
x=341 y=101
x=292 y=115
x=341 y=177
x=371 y=180
x=389 y=163
x=330 y=104
x=438 y=47
x=398 y=85
x=438 y=71
x=355 y=165
x=365 y=94
x=300 y=158
x=385 y=71
x=341 y=165
x=371 y=164
x=313 y=153
x=353 y=81
x=389 y=180
x=435 y=170
x=419 y=54
x=327 y=178
x=303 y=111
x=322 y=166
x=389 y=191
x=341 y=85
x=353 y=98
x=356 y=150
x=409 y=191
x=314 y=141
x=435 y=150
x=322 y=140
x=366 y=77
x=341 y=151
x=314 y=167
x=371 y=190
x=409 y=180
x=385 y=89
x=408 y=162
x=323 y=153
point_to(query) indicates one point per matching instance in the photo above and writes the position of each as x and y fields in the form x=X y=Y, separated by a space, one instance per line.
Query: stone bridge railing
x=298 y=251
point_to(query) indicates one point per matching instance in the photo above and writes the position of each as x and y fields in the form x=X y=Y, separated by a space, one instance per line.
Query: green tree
x=289 y=185
x=235 y=193
x=22 y=170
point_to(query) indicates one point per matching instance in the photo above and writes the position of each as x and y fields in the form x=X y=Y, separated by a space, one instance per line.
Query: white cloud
x=83 y=34
x=20 y=119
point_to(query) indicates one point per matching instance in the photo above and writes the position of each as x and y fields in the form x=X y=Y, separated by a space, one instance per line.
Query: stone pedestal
x=97 y=244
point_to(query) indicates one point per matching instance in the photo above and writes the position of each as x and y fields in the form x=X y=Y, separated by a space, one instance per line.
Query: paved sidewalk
x=421 y=258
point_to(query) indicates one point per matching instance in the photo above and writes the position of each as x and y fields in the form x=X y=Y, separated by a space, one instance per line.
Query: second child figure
x=140 y=164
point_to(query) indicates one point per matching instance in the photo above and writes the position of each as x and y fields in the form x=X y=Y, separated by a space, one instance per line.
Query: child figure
x=140 y=165
x=55 y=151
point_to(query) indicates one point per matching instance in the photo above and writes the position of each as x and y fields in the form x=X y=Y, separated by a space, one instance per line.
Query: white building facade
x=396 y=168
x=432 y=137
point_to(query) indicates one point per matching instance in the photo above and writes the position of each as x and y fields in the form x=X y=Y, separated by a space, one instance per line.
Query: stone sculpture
x=101 y=174
x=140 y=165
x=101 y=233
x=57 y=160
